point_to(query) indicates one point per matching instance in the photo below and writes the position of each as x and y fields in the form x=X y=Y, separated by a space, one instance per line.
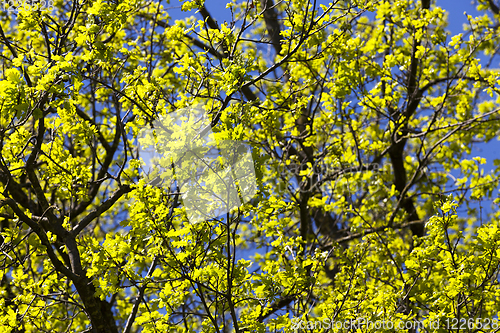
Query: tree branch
x=272 y=24
x=102 y=208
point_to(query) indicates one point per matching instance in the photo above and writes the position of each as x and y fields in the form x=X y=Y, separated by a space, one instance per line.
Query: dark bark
x=272 y=24
x=396 y=151
x=99 y=311
x=493 y=7
x=400 y=182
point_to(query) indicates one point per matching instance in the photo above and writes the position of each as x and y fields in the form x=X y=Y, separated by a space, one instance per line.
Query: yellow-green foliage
x=371 y=202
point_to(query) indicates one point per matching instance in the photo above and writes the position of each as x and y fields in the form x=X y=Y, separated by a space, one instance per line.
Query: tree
x=362 y=118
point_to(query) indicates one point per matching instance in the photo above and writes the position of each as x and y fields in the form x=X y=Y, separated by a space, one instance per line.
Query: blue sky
x=456 y=9
x=456 y=18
